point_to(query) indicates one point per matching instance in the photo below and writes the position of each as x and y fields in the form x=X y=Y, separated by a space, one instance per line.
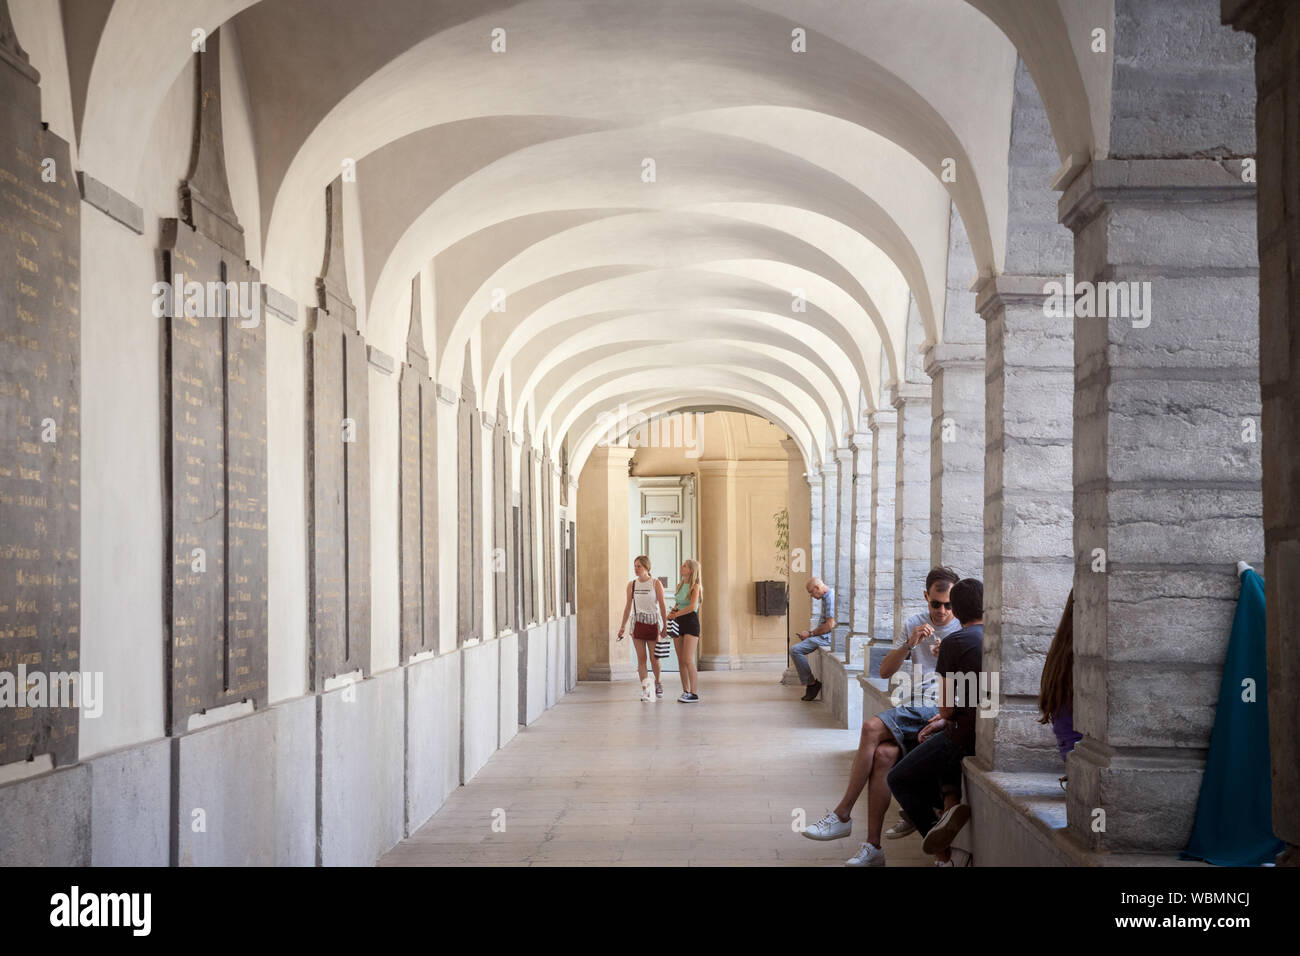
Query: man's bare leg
x=878 y=796
x=873 y=733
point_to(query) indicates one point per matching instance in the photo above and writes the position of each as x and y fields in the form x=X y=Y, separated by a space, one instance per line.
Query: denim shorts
x=904 y=723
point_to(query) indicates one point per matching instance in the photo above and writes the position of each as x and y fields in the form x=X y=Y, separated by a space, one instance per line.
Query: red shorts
x=645 y=632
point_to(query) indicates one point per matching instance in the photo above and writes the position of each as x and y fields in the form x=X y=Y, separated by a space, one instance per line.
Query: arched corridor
x=356 y=356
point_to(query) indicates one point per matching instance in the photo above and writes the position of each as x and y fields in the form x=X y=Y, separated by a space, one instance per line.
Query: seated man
x=818 y=637
x=932 y=772
x=892 y=733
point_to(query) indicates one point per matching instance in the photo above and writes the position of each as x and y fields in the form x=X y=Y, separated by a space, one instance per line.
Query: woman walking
x=645 y=599
x=685 y=619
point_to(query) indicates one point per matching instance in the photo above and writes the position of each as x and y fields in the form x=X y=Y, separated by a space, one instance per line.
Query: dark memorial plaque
x=469 y=502
x=418 y=483
x=338 y=466
x=503 y=553
x=40 y=412
x=548 y=529
x=528 y=527
x=214 y=414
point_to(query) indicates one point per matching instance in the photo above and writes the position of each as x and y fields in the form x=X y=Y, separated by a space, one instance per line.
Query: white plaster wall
x=286 y=509
x=39 y=25
x=121 y=403
x=385 y=591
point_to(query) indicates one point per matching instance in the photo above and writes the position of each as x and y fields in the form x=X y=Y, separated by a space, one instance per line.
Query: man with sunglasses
x=888 y=736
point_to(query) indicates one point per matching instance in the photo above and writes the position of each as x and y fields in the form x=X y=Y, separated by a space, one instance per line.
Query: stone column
x=1166 y=463
x=800 y=546
x=720 y=642
x=860 y=552
x=1276 y=26
x=957 y=456
x=602 y=565
x=884 y=451
x=911 y=496
x=1027 y=511
x=1166 y=491
x=815 y=494
x=830 y=522
x=844 y=553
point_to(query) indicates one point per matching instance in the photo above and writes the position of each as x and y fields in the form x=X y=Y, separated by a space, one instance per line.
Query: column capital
x=993 y=293
x=1105 y=181
x=861 y=441
x=913 y=392
x=881 y=417
x=613 y=455
x=722 y=468
x=844 y=454
x=944 y=355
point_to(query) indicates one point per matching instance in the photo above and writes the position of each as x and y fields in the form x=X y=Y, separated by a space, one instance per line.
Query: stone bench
x=838 y=681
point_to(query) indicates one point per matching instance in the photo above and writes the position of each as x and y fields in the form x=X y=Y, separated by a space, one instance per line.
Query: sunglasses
x=938 y=604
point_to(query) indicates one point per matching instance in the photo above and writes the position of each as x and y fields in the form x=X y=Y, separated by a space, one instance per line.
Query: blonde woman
x=645 y=600
x=686 y=618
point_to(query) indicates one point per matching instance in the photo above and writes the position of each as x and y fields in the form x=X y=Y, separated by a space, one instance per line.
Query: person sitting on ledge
x=1056 y=690
x=892 y=733
x=812 y=640
x=932 y=772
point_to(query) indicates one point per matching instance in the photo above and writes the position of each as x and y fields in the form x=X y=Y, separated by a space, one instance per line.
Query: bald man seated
x=820 y=636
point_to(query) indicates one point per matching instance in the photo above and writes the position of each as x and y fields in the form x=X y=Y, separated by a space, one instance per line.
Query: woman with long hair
x=1056 y=690
x=645 y=600
x=686 y=618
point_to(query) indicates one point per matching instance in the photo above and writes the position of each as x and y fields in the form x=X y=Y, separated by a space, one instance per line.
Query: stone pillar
x=860 y=552
x=844 y=552
x=815 y=490
x=957 y=456
x=602 y=565
x=800 y=547
x=956 y=370
x=720 y=642
x=1027 y=511
x=1276 y=26
x=1166 y=465
x=884 y=451
x=911 y=496
x=830 y=523
x=1166 y=491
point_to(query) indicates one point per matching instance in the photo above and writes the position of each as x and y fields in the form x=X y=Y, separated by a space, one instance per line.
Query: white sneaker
x=829 y=827
x=902 y=828
x=647 y=691
x=868 y=855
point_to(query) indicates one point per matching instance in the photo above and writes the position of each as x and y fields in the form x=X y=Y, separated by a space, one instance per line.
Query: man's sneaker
x=902 y=828
x=945 y=831
x=829 y=827
x=868 y=856
x=813 y=690
x=659 y=690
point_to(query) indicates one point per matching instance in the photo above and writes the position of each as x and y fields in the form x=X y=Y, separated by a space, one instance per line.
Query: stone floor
x=603 y=779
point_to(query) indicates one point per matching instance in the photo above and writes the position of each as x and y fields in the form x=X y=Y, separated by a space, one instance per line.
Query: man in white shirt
x=889 y=735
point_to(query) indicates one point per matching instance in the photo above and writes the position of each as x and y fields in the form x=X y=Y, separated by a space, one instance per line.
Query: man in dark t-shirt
x=931 y=773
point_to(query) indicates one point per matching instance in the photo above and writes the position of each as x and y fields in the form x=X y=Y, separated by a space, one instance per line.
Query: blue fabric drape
x=1234 y=814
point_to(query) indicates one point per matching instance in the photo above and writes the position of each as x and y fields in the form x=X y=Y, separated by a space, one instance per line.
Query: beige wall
x=743 y=473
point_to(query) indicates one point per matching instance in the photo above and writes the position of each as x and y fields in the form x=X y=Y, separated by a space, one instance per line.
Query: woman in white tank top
x=645 y=601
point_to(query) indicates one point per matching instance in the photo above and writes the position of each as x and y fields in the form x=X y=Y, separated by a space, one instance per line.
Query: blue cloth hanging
x=1234 y=814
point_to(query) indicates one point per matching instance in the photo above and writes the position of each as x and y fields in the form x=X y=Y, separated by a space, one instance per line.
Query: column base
x=606 y=672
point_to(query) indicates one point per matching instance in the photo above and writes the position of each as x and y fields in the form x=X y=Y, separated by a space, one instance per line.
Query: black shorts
x=686 y=624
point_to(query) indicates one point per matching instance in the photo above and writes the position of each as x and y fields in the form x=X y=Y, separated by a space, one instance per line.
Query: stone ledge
x=837 y=680
x=1019 y=819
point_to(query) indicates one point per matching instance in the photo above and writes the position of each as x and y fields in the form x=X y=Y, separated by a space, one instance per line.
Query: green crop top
x=683 y=595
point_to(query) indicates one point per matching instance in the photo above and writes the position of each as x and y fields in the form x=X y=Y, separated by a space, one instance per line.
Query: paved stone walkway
x=603 y=779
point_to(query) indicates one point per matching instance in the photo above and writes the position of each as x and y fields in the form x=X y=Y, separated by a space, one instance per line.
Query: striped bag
x=662 y=646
